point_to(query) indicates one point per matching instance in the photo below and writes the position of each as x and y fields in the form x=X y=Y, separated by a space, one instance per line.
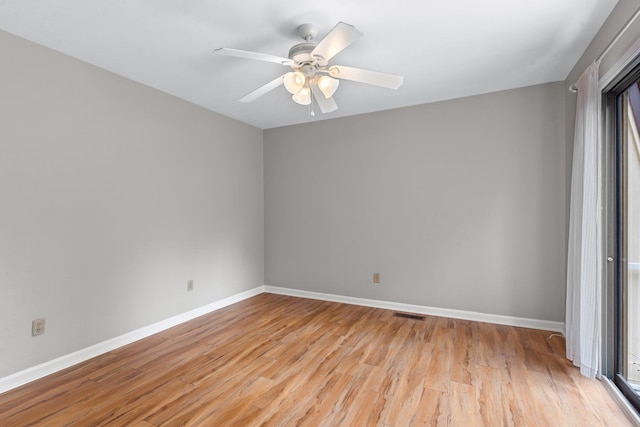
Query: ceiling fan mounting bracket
x=308 y=32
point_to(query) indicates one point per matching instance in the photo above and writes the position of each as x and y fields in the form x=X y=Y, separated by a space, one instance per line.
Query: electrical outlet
x=37 y=327
x=376 y=277
x=189 y=285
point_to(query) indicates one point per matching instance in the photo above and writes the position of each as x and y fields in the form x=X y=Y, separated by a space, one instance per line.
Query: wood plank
x=493 y=398
x=432 y=410
x=465 y=357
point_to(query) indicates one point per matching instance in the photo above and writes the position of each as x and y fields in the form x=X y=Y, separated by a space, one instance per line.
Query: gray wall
x=112 y=196
x=458 y=204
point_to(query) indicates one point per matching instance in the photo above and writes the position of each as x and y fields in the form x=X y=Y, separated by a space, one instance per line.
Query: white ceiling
x=445 y=49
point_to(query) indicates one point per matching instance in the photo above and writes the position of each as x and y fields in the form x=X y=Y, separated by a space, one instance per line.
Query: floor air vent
x=409 y=316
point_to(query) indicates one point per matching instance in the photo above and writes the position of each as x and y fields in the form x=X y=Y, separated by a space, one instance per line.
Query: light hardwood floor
x=278 y=361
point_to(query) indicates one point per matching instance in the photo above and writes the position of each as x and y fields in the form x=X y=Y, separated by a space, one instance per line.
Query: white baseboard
x=545 y=325
x=30 y=374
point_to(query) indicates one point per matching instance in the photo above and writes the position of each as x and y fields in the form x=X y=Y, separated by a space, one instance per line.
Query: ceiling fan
x=312 y=77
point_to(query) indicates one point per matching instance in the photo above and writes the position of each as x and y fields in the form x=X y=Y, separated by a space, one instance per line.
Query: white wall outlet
x=189 y=285
x=37 y=327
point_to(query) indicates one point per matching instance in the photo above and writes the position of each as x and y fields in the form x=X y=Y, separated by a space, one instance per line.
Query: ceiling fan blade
x=252 y=55
x=326 y=105
x=263 y=90
x=375 y=78
x=341 y=36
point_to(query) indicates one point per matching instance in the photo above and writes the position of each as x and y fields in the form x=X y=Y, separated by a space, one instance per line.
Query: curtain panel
x=584 y=258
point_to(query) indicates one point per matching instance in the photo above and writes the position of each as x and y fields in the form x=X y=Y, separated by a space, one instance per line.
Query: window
x=622 y=199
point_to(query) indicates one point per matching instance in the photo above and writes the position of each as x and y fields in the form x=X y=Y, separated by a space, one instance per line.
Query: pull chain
x=311 y=112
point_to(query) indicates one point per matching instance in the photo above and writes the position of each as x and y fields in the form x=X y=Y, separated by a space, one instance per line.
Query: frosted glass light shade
x=294 y=81
x=328 y=86
x=303 y=97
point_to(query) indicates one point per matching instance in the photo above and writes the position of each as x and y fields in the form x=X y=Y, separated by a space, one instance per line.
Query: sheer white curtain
x=584 y=267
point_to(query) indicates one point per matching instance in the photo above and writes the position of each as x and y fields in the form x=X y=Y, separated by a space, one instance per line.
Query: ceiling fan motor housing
x=301 y=53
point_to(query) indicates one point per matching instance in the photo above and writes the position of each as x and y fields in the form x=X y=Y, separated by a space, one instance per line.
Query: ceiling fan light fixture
x=328 y=86
x=294 y=82
x=303 y=97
